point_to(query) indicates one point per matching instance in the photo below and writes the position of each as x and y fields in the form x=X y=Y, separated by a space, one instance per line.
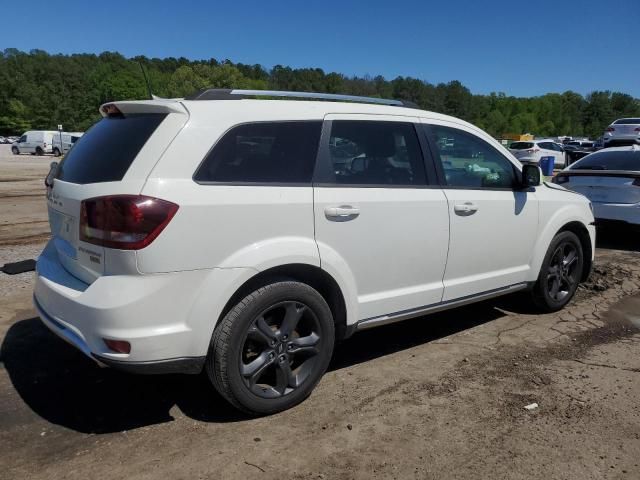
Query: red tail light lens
x=126 y=222
x=118 y=346
x=610 y=129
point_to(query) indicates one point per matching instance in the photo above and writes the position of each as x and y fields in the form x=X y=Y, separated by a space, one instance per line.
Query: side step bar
x=417 y=312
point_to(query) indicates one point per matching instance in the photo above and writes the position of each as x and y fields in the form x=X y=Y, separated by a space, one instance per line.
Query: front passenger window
x=468 y=161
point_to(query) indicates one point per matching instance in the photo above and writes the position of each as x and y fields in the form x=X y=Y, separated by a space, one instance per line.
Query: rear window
x=107 y=150
x=269 y=152
x=627 y=121
x=521 y=145
x=609 y=161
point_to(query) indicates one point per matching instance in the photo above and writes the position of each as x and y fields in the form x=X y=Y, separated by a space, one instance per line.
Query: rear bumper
x=624 y=212
x=151 y=312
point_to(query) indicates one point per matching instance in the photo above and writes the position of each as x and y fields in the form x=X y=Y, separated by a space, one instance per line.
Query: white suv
x=624 y=131
x=532 y=151
x=245 y=236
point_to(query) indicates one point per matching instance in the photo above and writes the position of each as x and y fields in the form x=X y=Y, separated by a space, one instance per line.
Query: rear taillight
x=126 y=222
x=610 y=129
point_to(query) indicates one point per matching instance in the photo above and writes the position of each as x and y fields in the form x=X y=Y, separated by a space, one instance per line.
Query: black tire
x=560 y=273
x=255 y=365
x=15 y=150
x=39 y=151
x=56 y=152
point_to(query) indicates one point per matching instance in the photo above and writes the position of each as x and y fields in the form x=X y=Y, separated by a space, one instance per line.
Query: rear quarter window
x=265 y=152
x=107 y=150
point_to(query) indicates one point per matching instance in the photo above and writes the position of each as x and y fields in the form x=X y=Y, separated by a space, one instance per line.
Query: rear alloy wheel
x=560 y=273
x=272 y=348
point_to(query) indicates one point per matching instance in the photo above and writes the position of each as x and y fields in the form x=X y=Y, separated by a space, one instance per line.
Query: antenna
x=144 y=74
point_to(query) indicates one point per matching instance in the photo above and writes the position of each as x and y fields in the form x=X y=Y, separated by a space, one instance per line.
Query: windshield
x=627 y=121
x=625 y=160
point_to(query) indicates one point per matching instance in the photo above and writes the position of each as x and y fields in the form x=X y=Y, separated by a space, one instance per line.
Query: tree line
x=39 y=91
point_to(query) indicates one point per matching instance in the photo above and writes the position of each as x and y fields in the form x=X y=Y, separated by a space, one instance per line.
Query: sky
x=520 y=48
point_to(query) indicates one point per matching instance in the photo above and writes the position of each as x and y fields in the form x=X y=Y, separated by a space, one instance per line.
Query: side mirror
x=531 y=175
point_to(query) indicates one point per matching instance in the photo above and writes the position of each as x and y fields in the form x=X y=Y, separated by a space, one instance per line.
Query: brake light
x=610 y=129
x=110 y=110
x=126 y=222
x=118 y=346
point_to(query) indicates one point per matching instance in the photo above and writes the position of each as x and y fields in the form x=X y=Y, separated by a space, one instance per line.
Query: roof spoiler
x=142 y=106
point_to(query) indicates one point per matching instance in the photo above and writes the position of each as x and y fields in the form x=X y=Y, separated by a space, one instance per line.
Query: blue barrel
x=546 y=165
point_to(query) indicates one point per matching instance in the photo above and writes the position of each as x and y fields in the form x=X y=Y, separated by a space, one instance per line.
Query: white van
x=62 y=142
x=35 y=142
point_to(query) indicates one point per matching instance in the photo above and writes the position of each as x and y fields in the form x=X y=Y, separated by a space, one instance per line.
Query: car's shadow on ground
x=64 y=387
x=618 y=238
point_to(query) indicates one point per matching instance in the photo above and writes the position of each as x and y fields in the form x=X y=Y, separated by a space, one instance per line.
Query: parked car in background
x=577 y=149
x=624 y=131
x=68 y=140
x=610 y=178
x=35 y=142
x=232 y=236
x=4 y=140
x=532 y=151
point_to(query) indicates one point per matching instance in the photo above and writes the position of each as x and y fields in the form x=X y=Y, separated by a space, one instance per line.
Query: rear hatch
x=113 y=158
x=627 y=128
x=522 y=149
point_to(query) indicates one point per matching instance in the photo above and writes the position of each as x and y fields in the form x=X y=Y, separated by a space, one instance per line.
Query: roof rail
x=234 y=94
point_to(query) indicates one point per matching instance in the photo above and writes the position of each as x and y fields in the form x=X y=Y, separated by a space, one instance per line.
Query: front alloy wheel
x=560 y=274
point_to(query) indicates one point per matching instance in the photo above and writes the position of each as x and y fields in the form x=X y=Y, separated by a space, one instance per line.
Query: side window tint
x=375 y=153
x=469 y=161
x=273 y=152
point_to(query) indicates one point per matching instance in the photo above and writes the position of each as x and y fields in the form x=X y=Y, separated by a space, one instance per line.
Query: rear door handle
x=342 y=213
x=466 y=208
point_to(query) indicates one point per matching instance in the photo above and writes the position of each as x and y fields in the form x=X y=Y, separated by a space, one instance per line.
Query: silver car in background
x=624 y=131
x=610 y=178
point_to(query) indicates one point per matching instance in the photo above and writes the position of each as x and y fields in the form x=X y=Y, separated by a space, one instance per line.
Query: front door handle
x=466 y=208
x=343 y=213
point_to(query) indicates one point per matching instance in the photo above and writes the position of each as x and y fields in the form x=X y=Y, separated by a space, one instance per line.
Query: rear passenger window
x=107 y=150
x=468 y=161
x=273 y=152
x=375 y=153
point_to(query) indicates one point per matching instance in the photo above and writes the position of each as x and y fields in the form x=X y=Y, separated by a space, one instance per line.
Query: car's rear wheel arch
x=310 y=275
x=585 y=241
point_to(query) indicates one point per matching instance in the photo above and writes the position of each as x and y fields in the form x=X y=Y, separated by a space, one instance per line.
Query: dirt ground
x=436 y=397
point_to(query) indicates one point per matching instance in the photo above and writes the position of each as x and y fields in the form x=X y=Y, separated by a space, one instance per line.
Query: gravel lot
x=436 y=397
